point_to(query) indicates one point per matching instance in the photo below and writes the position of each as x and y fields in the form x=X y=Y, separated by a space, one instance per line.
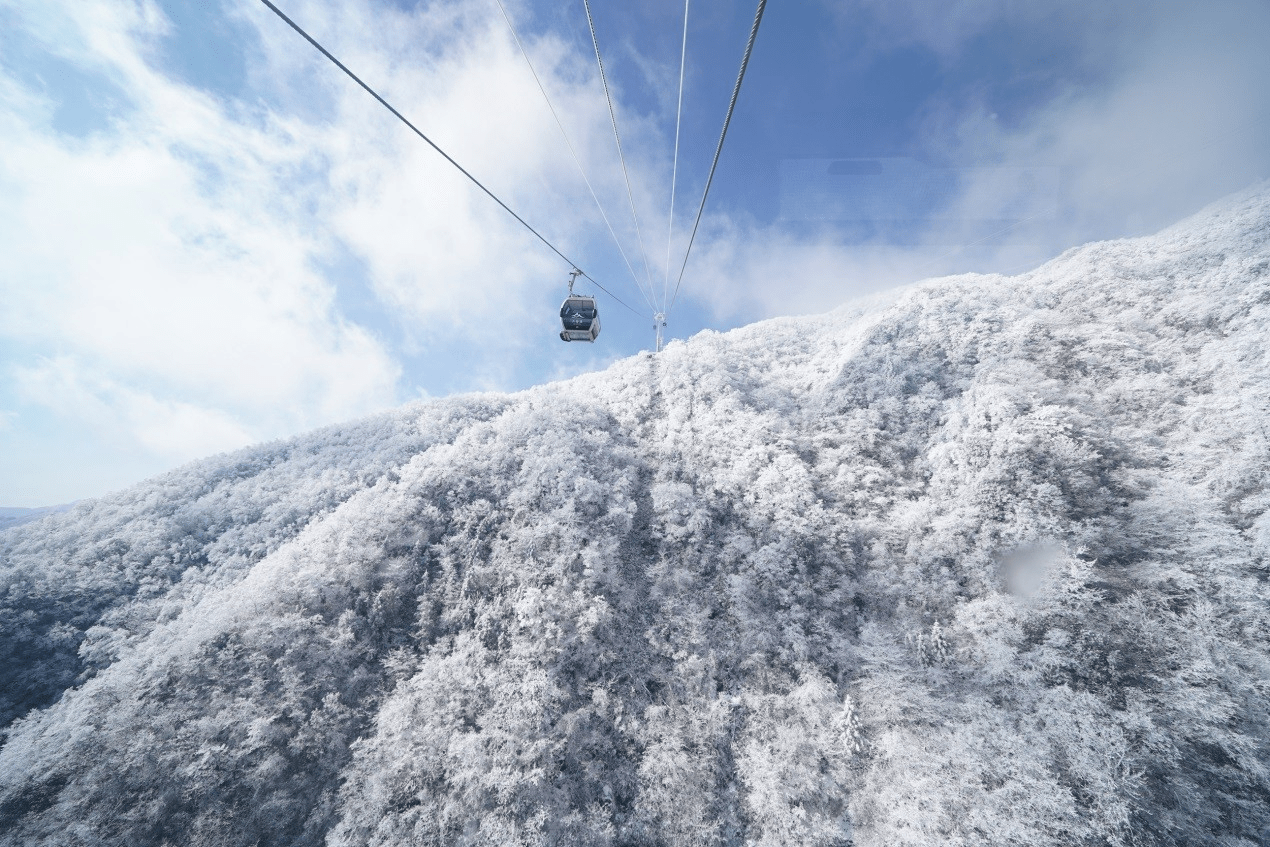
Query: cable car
x=579 y=316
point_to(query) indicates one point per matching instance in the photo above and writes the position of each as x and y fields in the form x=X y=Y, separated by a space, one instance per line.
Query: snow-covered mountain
x=985 y=564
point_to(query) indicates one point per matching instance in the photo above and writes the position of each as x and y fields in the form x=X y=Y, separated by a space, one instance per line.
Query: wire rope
x=618 y=138
x=674 y=168
x=576 y=160
x=434 y=146
x=736 y=90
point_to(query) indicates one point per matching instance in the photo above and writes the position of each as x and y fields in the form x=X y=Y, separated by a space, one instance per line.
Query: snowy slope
x=983 y=565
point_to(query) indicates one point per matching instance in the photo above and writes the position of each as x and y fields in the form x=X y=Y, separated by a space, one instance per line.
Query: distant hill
x=10 y=517
x=984 y=565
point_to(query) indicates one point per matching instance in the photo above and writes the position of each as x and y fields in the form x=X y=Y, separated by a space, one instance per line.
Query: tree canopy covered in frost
x=985 y=564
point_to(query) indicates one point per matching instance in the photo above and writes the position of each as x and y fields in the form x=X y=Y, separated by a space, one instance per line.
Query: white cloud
x=175 y=263
x=1161 y=107
x=169 y=256
x=949 y=29
x=174 y=430
x=1164 y=109
x=742 y=271
x=442 y=253
x=1186 y=119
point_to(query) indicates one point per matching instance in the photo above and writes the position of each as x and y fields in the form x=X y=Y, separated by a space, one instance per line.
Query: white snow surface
x=981 y=564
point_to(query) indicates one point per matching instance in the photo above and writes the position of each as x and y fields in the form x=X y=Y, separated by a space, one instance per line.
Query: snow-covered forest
x=981 y=564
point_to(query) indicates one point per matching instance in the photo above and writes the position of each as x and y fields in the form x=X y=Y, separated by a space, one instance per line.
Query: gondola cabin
x=579 y=318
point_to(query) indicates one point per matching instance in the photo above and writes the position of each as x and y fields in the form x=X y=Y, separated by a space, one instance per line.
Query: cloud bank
x=178 y=261
x=1152 y=109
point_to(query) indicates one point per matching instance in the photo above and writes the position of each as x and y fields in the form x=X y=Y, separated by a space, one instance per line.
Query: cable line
x=674 y=169
x=745 y=61
x=577 y=161
x=433 y=145
x=613 y=117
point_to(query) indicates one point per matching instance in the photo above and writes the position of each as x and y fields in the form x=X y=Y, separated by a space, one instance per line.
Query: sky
x=210 y=237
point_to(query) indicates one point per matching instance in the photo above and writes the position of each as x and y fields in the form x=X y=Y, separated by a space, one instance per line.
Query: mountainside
x=986 y=564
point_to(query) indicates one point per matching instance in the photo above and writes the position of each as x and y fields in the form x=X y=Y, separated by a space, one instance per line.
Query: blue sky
x=210 y=237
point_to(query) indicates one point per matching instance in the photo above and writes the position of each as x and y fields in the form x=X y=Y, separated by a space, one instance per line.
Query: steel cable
x=736 y=90
x=618 y=138
x=577 y=161
x=674 y=168
x=434 y=146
